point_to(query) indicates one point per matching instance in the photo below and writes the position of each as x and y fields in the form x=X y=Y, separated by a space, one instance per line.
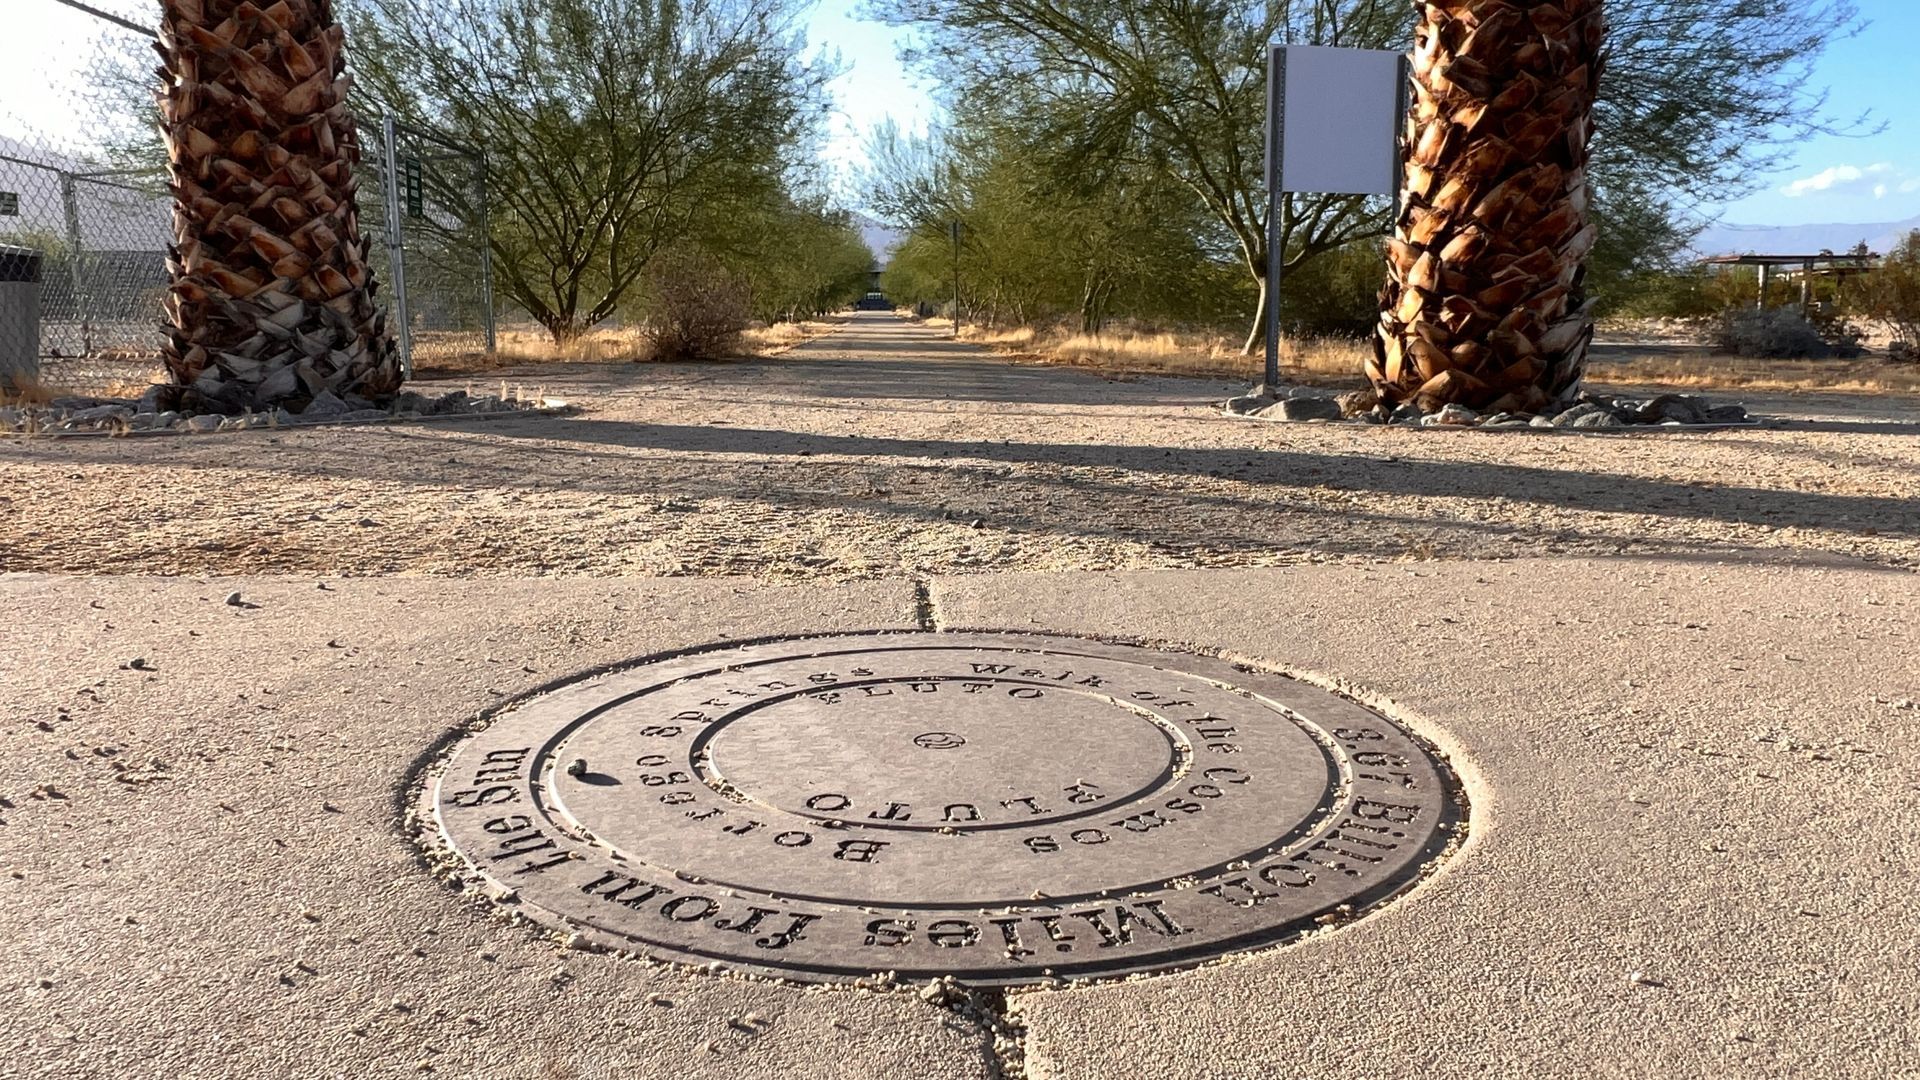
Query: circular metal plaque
x=1001 y=808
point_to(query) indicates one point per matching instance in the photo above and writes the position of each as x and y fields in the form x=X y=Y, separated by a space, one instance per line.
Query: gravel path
x=883 y=450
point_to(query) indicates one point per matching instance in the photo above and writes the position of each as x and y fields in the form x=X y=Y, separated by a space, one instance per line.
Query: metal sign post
x=486 y=256
x=1276 y=203
x=954 y=229
x=1336 y=115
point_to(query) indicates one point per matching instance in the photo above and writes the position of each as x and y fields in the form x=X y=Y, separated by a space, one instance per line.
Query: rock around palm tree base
x=1589 y=412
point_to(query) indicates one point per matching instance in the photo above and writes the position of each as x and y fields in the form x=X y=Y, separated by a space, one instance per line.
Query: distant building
x=1803 y=267
x=881 y=239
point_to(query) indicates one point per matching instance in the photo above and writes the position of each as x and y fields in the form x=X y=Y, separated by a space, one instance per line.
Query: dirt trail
x=886 y=449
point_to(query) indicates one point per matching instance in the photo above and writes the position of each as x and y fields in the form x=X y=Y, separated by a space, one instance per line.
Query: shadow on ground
x=886 y=449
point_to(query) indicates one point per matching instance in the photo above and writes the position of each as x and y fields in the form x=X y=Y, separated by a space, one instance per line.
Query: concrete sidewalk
x=1691 y=854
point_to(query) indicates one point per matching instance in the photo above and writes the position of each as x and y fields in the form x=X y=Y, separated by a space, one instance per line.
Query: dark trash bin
x=19 y=316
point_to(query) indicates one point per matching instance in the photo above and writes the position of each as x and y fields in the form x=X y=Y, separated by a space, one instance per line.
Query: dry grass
x=121 y=388
x=442 y=355
x=457 y=355
x=1137 y=352
x=778 y=338
x=1337 y=361
x=1677 y=353
x=1698 y=369
x=603 y=346
x=26 y=391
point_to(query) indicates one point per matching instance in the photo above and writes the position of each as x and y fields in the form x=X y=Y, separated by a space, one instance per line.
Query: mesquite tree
x=614 y=130
x=272 y=300
x=1700 y=98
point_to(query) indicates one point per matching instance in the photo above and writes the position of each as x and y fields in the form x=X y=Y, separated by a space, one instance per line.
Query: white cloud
x=1879 y=180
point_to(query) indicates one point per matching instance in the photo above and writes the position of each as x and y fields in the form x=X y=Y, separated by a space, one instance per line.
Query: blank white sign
x=1341 y=113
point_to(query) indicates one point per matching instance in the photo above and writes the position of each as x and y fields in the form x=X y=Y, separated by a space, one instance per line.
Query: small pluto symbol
x=938 y=740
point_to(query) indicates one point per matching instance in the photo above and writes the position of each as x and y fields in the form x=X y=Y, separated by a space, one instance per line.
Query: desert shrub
x=1891 y=293
x=1666 y=294
x=1733 y=287
x=1829 y=320
x=1784 y=333
x=1336 y=295
x=1702 y=292
x=695 y=308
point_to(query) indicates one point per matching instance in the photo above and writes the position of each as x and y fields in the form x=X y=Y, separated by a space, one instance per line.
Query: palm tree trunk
x=1485 y=304
x=272 y=299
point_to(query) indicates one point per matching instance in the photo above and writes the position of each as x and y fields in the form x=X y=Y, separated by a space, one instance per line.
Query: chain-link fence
x=85 y=217
x=429 y=194
x=84 y=212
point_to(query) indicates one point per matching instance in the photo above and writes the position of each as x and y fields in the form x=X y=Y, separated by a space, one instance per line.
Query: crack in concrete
x=1004 y=1049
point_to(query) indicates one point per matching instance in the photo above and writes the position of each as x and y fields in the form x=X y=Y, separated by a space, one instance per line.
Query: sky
x=876 y=85
x=1872 y=178
x=49 y=49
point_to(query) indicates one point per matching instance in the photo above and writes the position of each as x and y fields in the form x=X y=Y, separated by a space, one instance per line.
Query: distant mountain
x=882 y=239
x=1801 y=239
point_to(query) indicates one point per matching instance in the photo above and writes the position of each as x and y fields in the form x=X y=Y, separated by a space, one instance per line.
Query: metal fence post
x=396 y=240
x=955 y=227
x=486 y=255
x=82 y=301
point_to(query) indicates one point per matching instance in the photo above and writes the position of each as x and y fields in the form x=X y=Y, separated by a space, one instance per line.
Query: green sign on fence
x=9 y=204
x=416 y=188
